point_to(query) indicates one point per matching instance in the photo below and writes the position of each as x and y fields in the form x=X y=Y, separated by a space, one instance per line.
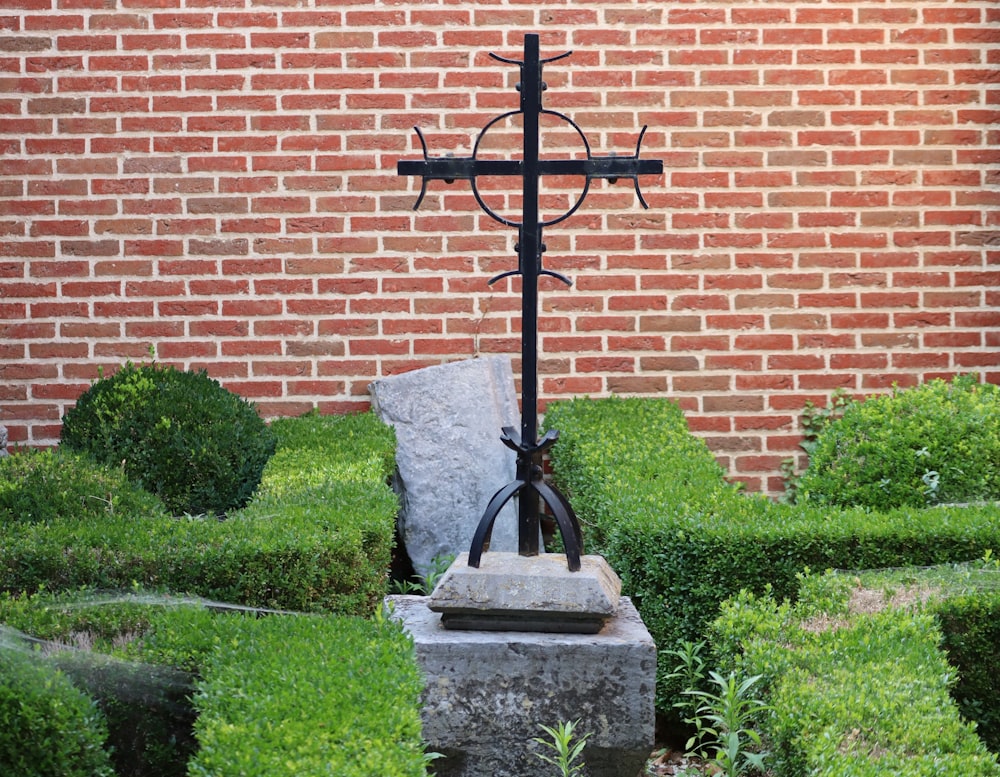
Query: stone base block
x=487 y=693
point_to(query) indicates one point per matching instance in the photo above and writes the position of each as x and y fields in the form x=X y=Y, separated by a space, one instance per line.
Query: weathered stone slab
x=487 y=693
x=450 y=460
x=3 y=440
x=527 y=593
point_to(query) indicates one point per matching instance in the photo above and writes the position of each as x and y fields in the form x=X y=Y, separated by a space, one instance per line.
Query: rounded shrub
x=178 y=434
x=48 y=728
x=43 y=486
x=933 y=444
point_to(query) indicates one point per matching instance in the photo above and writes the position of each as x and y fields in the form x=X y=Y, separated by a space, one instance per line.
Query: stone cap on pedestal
x=510 y=592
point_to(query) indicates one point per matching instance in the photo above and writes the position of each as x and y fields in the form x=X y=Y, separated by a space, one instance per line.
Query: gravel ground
x=666 y=761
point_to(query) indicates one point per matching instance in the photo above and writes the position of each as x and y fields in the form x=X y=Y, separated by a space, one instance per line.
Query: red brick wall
x=216 y=179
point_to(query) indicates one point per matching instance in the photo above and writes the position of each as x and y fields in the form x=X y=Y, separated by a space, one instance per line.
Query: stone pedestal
x=488 y=692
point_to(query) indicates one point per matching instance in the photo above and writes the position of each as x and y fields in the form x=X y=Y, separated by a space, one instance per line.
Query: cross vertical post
x=529 y=259
x=529 y=484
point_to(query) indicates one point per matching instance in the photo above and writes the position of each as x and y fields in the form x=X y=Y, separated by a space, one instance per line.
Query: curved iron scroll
x=530 y=478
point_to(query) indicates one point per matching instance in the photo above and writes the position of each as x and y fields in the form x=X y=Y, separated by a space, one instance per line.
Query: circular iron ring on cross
x=550 y=167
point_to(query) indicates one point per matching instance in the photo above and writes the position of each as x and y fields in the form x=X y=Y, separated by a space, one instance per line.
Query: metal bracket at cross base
x=529 y=484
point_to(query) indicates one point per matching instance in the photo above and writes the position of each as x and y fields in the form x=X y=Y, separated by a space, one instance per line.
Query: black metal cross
x=530 y=168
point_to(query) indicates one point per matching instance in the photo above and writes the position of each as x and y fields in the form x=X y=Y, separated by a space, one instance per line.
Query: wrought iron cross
x=529 y=481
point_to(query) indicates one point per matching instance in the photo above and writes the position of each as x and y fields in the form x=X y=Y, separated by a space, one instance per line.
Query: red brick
x=747 y=362
x=764 y=342
x=613 y=363
x=771 y=381
x=687 y=343
x=701 y=384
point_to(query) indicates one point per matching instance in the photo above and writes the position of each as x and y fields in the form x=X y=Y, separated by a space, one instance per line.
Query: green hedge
x=851 y=695
x=935 y=443
x=970 y=626
x=146 y=701
x=280 y=695
x=965 y=601
x=654 y=502
x=310 y=696
x=317 y=536
x=296 y=695
x=180 y=435
x=48 y=728
x=42 y=486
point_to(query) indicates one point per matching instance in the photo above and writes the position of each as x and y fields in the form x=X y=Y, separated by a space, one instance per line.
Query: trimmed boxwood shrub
x=850 y=695
x=965 y=601
x=331 y=473
x=970 y=626
x=44 y=486
x=318 y=537
x=277 y=695
x=654 y=502
x=341 y=693
x=147 y=708
x=936 y=443
x=48 y=728
x=178 y=434
x=308 y=696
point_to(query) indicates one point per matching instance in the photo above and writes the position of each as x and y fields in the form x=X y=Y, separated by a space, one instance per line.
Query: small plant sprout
x=723 y=725
x=406 y=588
x=383 y=612
x=439 y=565
x=565 y=751
x=430 y=757
x=690 y=671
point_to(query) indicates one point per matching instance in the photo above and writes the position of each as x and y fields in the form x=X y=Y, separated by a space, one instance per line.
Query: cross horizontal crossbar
x=468 y=168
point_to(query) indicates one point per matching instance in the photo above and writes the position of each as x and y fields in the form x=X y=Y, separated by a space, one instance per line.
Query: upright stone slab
x=450 y=460
x=3 y=440
x=487 y=693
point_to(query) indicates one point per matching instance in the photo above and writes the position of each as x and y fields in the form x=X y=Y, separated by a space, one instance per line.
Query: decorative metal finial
x=529 y=478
